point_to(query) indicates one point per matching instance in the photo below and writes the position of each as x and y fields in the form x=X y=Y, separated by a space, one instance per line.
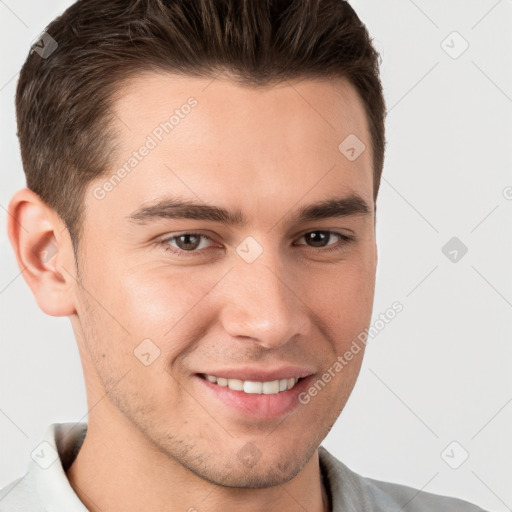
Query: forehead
x=212 y=138
x=223 y=106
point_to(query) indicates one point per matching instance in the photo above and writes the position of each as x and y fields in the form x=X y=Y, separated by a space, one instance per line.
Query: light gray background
x=441 y=370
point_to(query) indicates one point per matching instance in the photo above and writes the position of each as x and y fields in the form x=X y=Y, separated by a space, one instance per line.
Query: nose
x=262 y=304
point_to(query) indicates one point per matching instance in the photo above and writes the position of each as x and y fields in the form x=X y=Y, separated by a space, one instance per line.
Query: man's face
x=271 y=298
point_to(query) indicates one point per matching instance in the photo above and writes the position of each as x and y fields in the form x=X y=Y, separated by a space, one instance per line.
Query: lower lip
x=257 y=405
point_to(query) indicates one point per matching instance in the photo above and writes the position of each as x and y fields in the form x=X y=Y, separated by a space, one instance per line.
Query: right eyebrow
x=176 y=208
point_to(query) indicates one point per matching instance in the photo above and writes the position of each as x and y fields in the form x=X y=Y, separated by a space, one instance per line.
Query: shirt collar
x=56 y=451
x=343 y=485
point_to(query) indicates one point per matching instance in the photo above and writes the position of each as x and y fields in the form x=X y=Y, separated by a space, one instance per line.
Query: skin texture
x=156 y=440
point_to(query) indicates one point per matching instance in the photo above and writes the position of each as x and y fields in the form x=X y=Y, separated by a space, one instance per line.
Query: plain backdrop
x=437 y=379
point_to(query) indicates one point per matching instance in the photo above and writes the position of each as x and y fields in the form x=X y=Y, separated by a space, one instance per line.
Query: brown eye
x=318 y=238
x=326 y=240
x=188 y=242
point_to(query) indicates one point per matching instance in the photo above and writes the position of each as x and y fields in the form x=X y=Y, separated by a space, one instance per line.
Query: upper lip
x=261 y=374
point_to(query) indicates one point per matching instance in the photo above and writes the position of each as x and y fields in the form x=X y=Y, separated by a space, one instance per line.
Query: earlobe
x=43 y=249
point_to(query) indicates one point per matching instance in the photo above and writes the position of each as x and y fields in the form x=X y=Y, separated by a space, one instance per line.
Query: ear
x=44 y=252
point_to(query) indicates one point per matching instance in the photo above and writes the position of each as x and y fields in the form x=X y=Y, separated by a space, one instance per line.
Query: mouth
x=254 y=395
x=270 y=387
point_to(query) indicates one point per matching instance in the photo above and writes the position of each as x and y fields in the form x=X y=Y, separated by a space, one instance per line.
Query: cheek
x=342 y=297
x=164 y=304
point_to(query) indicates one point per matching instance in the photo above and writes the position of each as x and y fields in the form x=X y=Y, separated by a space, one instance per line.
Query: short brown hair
x=64 y=100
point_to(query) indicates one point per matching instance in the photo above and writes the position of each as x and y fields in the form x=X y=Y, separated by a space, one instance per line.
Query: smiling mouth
x=272 y=387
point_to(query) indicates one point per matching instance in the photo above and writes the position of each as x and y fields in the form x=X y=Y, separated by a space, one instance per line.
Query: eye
x=321 y=238
x=186 y=242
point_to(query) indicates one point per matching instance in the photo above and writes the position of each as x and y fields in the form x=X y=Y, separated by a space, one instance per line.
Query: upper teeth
x=266 y=388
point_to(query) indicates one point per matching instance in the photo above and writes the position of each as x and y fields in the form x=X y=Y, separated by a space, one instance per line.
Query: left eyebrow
x=176 y=208
x=336 y=207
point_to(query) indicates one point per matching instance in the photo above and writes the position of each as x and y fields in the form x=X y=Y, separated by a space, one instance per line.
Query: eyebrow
x=178 y=208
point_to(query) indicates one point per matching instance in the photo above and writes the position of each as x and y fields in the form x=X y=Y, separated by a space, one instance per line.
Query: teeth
x=236 y=385
x=253 y=387
x=271 y=388
x=256 y=388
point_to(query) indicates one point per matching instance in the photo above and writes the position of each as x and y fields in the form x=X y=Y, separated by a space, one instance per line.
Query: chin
x=245 y=478
x=248 y=468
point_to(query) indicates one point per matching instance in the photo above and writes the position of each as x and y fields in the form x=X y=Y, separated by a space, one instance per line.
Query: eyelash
x=181 y=252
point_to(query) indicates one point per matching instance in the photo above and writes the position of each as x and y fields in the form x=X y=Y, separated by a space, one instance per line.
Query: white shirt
x=45 y=487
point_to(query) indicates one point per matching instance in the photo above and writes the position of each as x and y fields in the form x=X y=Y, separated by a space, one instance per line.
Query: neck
x=117 y=468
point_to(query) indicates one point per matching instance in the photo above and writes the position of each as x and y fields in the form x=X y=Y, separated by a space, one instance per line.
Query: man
x=201 y=205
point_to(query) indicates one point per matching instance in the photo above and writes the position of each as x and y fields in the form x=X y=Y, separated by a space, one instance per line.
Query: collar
x=56 y=451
